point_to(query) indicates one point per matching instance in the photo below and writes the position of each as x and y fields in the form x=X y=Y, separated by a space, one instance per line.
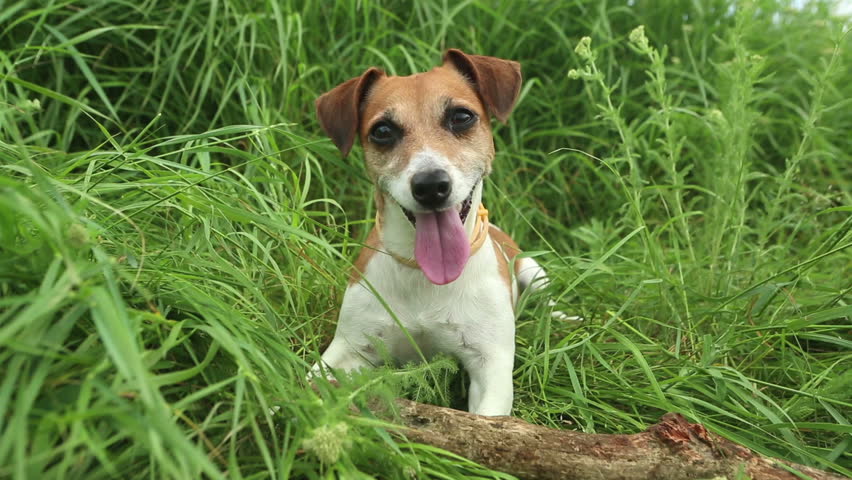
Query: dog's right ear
x=338 y=110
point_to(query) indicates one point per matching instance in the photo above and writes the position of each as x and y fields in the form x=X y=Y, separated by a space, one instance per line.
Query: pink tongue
x=441 y=247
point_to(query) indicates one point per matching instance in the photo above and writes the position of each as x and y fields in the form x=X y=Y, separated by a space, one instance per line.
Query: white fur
x=471 y=319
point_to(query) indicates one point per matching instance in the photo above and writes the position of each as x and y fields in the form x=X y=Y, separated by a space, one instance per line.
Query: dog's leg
x=490 y=390
x=340 y=356
x=532 y=276
x=352 y=348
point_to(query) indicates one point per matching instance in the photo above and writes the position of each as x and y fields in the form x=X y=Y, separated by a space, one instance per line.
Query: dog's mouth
x=464 y=209
x=441 y=245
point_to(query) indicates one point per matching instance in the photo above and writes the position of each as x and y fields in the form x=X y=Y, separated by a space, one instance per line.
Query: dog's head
x=426 y=137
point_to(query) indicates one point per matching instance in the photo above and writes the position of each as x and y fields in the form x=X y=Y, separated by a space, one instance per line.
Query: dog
x=434 y=275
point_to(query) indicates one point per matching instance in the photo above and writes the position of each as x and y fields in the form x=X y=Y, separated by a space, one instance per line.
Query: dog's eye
x=384 y=133
x=460 y=119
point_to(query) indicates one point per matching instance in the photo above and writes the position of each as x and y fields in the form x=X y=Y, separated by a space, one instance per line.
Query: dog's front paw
x=321 y=371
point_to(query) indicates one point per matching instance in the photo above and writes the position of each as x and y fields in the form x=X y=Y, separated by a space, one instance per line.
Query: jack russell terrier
x=434 y=276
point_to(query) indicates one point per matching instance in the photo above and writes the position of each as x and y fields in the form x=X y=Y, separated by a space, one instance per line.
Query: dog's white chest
x=455 y=319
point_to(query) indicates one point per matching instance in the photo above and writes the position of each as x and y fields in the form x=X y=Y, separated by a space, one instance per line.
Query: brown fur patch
x=372 y=244
x=417 y=104
x=506 y=250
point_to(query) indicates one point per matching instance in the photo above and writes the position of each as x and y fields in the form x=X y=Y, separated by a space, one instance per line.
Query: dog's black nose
x=431 y=189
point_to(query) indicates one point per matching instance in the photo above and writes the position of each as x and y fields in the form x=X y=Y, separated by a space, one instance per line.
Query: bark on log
x=673 y=449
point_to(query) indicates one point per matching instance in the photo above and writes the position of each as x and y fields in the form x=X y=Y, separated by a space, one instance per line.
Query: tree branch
x=670 y=450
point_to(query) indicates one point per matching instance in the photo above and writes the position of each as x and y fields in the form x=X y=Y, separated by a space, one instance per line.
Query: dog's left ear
x=338 y=110
x=497 y=81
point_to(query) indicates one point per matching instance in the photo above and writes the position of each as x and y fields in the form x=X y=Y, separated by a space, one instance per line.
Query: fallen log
x=672 y=449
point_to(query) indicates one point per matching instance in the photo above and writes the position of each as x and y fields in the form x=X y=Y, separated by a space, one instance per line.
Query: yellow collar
x=480 y=233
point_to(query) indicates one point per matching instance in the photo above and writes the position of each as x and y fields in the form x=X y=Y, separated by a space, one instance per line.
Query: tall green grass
x=174 y=228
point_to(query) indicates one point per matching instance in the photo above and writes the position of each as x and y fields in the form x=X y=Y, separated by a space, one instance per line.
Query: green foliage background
x=174 y=228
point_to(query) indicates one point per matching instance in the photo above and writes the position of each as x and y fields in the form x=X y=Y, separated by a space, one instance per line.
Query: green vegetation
x=174 y=228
